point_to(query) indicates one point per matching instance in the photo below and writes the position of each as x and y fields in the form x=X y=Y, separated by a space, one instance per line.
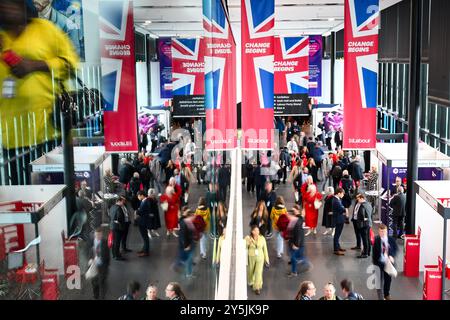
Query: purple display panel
x=315 y=65
x=165 y=67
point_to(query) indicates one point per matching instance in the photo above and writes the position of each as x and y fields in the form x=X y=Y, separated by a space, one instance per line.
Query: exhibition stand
x=90 y=164
x=392 y=159
x=432 y=215
x=30 y=217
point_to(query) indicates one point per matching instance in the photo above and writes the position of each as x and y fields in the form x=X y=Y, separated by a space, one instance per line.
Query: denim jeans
x=296 y=257
x=280 y=243
x=188 y=259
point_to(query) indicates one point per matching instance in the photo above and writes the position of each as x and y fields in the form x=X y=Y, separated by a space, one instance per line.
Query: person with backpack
x=278 y=210
x=186 y=242
x=348 y=185
x=297 y=241
x=348 y=291
x=201 y=222
x=363 y=223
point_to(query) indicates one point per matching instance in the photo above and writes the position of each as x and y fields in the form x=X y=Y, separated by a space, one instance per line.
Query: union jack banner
x=258 y=19
x=291 y=66
x=220 y=78
x=188 y=63
x=360 y=73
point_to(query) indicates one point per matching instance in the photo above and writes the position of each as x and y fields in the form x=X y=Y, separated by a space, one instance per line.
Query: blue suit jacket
x=338 y=211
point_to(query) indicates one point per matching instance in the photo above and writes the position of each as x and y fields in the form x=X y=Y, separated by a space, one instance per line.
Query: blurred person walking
x=37 y=58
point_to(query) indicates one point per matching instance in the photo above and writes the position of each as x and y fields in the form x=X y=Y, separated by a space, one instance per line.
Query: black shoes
x=363 y=256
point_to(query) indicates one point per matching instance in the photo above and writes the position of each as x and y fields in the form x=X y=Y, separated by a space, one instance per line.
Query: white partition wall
x=432 y=202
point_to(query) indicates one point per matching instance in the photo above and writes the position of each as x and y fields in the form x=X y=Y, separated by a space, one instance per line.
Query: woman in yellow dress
x=257 y=255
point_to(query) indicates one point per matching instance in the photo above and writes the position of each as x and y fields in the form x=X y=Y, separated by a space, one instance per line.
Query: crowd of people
x=305 y=163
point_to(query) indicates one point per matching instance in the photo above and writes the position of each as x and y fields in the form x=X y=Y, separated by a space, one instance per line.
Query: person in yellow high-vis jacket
x=278 y=210
x=29 y=87
x=257 y=256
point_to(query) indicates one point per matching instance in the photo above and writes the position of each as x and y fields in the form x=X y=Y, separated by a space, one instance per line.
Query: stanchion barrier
x=412 y=255
x=447 y=267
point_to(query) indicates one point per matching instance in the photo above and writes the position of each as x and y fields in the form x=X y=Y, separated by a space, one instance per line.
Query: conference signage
x=165 y=67
x=315 y=65
x=118 y=75
x=291 y=66
x=258 y=19
x=188 y=74
x=220 y=78
x=360 y=73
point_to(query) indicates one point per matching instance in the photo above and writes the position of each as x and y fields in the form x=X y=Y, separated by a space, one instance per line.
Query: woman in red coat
x=170 y=202
x=311 y=207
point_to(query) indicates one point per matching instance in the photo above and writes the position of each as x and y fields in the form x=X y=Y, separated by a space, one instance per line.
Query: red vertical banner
x=220 y=78
x=360 y=73
x=118 y=75
x=258 y=20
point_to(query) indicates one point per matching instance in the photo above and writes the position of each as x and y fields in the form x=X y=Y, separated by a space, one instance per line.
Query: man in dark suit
x=398 y=203
x=224 y=182
x=125 y=172
x=339 y=214
x=100 y=254
x=143 y=214
x=118 y=225
x=384 y=248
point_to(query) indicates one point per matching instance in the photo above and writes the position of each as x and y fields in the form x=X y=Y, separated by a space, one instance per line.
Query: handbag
x=110 y=239
x=165 y=206
x=390 y=269
x=372 y=236
x=92 y=271
x=317 y=204
x=297 y=196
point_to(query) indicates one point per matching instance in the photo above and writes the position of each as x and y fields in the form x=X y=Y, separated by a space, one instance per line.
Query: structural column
x=333 y=62
x=414 y=109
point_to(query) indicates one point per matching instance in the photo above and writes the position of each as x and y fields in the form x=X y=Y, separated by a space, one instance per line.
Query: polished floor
x=327 y=267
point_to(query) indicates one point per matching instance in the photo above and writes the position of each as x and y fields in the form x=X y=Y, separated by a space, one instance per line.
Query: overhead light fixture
x=331 y=19
x=147 y=22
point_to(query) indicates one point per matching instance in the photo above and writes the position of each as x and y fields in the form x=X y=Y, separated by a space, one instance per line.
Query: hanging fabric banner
x=315 y=65
x=360 y=73
x=118 y=75
x=258 y=19
x=188 y=77
x=291 y=75
x=220 y=78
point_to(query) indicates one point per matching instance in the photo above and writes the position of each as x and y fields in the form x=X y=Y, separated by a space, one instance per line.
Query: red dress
x=171 y=215
x=311 y=213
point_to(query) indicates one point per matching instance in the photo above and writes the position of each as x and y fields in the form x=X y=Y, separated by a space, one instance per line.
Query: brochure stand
x=412 y=255
x=432 y=284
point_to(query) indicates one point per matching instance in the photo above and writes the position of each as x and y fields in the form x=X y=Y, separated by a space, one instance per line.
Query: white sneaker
x=279 y=255
x=167 y=233
x=155 y=233
x=325 y=233
x=332 y=233
x=308 y=233
x=149 y=234
x=315 y=231
x=174 y=234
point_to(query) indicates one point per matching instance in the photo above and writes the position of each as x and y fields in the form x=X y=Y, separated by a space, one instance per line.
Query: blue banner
x=315 y=66
x=165 y=67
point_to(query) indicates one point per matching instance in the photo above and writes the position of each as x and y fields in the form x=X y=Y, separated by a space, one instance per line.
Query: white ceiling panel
x=185 y=16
